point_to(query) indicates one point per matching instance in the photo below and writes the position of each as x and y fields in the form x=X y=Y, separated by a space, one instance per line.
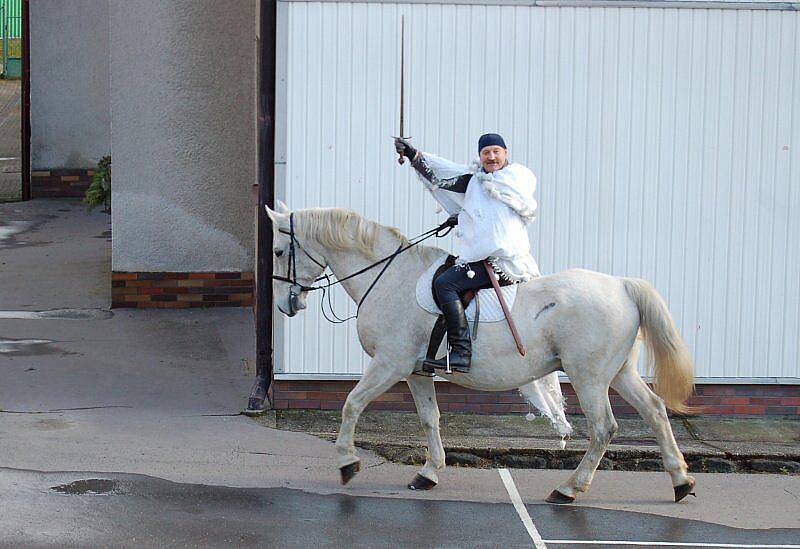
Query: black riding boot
x=458 y=338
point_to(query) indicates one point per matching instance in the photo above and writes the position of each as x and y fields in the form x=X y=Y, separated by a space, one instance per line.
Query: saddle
x=466 y=297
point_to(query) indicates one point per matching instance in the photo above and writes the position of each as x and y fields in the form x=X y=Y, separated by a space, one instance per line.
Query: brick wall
x=60 y=183
x=710 y=399
x=181 y=290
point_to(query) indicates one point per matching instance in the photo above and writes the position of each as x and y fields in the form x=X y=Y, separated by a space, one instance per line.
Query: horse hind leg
x=424 y=392
x=634 y=390
x=602 y=428
x=378 y=378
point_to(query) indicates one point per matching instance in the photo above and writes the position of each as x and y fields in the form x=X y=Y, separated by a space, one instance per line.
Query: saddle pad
x=491 y=311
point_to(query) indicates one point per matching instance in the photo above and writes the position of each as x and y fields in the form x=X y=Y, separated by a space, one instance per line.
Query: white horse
x=580 y=322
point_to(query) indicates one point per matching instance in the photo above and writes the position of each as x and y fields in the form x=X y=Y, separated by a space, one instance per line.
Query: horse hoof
x=421 y=483
x=559 y=498
x=349 y=471
x=684 y=490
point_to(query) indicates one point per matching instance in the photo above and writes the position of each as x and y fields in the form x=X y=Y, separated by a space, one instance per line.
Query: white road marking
x=59 y=314
x=611 y=543
x=522 y=511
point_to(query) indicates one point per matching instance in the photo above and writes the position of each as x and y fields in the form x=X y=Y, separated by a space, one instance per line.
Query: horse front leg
x=379 y=378
x=424 y=393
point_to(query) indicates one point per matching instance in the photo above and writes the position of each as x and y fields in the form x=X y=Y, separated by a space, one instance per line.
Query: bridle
x=297 y=288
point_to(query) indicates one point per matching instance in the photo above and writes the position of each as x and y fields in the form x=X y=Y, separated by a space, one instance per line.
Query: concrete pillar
x=183 y=134
x=70 y=126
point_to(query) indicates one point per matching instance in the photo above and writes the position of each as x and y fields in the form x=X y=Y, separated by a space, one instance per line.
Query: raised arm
x=438 y=172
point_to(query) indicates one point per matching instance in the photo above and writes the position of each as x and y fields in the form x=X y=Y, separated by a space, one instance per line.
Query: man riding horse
x=491 y=203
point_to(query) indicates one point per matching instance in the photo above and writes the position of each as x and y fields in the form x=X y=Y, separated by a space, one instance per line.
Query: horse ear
x=282 y=208
x=274 y=216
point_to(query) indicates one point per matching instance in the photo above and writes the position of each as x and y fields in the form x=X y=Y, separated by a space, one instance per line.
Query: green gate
x=11 y=21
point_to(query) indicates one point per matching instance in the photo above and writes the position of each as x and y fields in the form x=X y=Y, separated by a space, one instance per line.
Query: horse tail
x=673 y=378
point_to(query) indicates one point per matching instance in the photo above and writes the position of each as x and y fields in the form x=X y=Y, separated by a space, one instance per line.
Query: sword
x=402 y=158
x=496 y=285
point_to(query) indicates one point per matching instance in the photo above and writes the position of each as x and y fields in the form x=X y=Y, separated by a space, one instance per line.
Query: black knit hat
x=490 y=139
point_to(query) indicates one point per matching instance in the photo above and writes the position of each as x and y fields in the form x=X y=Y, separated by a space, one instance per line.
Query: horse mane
x=344 y=229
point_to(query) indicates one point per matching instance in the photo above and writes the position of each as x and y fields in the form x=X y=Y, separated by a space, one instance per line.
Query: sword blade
x=402 y=72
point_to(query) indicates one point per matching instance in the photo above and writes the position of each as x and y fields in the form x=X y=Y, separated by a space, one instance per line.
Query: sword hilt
x=402 y=159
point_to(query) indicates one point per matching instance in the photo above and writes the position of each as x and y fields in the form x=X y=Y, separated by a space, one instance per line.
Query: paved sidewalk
x=710 y=444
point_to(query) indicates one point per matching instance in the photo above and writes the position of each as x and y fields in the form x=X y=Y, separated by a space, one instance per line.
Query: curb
x=613 y=460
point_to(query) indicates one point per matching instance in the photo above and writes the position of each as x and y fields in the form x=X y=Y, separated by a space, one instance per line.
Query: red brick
x=782 y=410
x=150 y=291
x=482 y=399
x=194 y=276
x=311 y=404
x=450 y=398
x=736 y=400
x=228 y=275
x=216 y=297
x=176 y=276
x=123 y=276
x=768 y=401
x=390 y=397
x=748 y=410
x=496 y=408
x=230 y=283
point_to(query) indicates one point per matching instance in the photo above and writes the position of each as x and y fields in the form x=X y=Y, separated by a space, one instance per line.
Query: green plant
x=99 y=191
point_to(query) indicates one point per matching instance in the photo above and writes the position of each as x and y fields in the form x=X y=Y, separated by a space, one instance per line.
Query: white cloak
x=492 y=214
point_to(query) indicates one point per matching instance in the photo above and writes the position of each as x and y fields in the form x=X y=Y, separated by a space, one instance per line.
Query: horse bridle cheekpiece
x=296 y=288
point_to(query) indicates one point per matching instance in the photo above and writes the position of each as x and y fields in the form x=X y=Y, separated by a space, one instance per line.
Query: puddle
x=89 y=486
x=59 y=314
x=18 y=345
x=30 y=347
x=10 y=228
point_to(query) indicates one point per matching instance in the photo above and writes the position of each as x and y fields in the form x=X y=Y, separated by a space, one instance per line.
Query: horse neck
x=346 y=262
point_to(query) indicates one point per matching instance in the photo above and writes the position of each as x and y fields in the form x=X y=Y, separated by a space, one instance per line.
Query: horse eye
x=279 y=253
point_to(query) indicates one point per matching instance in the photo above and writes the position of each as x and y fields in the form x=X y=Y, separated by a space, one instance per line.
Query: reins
x=294 y=244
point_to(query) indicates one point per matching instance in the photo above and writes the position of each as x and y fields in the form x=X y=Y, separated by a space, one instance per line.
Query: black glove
x=452 y=221
x=403 y=147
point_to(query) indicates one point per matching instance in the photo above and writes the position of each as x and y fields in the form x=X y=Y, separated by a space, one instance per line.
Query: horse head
x=295 y=266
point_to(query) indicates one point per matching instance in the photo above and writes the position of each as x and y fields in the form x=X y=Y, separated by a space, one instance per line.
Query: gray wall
x=70 y=121
x=183 y=127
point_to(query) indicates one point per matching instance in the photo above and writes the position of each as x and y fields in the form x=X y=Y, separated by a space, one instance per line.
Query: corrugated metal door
x=665 y=142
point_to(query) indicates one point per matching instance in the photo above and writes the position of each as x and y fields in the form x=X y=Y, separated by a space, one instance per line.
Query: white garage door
x=666 y=143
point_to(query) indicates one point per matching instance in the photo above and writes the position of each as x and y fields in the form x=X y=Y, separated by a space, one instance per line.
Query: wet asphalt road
x=122 y=510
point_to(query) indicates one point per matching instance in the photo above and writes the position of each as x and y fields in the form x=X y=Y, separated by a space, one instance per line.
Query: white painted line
x=522 y=511
x=611 y=543
x=20 y=315
x=58 y=314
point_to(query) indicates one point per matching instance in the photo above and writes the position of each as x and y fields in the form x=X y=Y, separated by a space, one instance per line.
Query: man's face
x=493 y=158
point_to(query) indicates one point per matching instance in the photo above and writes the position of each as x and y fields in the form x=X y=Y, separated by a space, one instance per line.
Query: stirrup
x=431 y=368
